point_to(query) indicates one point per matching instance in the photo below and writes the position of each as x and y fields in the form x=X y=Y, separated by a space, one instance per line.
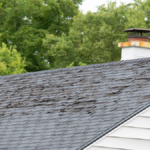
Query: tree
x=144 y=7
x=25 y=23
x=93 y=37
x=10 y=61
x=60 y=50
x=135 y=16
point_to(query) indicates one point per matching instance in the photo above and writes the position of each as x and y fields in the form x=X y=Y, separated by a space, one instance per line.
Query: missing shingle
x=117 y=100
x=147 y=96
x=64 y=110
x=116 y=92
x=25 y=113
x=1 y=114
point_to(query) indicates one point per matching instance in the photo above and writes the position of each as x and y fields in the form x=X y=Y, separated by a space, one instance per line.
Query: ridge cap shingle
x=78 y=67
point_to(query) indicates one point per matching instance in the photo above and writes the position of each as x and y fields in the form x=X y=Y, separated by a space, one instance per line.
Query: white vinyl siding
x=132 y=135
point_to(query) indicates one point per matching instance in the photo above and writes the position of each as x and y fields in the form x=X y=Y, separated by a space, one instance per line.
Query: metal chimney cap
x=137 y=34
x=136 y=29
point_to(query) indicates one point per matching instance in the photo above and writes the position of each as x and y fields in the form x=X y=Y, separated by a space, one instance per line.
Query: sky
x=91 y=5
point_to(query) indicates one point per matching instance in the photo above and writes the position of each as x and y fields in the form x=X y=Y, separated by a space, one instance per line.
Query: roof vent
x=137 y=45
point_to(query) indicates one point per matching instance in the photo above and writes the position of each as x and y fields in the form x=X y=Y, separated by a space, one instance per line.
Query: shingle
x=64 y=109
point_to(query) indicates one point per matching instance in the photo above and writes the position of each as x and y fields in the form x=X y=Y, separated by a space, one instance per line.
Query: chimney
x=137 y=45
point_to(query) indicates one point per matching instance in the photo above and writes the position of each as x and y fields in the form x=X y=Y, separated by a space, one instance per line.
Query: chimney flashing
x=135 y=44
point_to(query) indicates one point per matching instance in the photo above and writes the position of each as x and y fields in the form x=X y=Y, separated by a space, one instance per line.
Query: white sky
x=91 y=5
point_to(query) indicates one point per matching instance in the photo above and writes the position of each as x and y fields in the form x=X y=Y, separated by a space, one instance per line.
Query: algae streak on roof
x=65 y=109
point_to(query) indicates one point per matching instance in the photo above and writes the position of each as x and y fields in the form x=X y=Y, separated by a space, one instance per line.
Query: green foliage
x=10 y=61
x=54 y=16
x=144 y=6
x=60 y=51
x=79 y=64
x=93 y=37
x=25 y=23
x=96 y=35
x=71 y=65
x=29 y=43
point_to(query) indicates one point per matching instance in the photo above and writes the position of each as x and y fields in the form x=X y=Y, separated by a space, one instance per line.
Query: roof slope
x=66 y=108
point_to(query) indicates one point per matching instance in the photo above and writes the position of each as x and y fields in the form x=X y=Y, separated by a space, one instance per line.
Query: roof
x=136 y=29
x=67 y=109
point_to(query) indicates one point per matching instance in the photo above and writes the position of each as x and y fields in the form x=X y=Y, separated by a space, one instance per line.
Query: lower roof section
x=134 y=134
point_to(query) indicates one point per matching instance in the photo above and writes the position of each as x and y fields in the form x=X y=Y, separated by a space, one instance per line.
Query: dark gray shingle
x=64 y=109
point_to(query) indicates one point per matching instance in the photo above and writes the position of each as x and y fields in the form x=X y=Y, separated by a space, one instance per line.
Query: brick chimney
x=137 y=45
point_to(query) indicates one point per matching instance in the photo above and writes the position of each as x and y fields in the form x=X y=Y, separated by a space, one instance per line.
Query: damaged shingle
x=66 y=108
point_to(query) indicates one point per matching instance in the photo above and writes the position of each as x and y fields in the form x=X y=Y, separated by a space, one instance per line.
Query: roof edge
x=113 y=127
x=78 y=67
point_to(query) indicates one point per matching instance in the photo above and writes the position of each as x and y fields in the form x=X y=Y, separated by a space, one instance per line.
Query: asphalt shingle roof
x=64 y=109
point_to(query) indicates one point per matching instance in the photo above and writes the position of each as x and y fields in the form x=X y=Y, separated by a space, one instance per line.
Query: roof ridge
x=76 y=67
